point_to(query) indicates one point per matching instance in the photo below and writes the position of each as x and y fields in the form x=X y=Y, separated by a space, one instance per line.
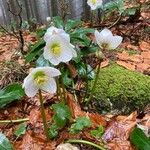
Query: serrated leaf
x=140 y=140
x=72 y=24
x=98 y=132
x=113 y=5
x=21 y=130
x=66 y=79
x=80 y=37
x=62 y=114
x=11 y=93
x=4 y=143
x=35 y=51
x=80 y=124
x=130 y=11
x=53 y=131
x=58 y=22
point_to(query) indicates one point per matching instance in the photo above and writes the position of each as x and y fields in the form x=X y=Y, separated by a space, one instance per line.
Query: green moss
x=126 y=90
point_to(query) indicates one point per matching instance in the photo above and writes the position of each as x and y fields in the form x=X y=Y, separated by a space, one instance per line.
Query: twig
x=14 y=121
x=119 y=18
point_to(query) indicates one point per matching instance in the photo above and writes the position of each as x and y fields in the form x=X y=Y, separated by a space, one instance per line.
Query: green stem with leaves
x=86 y=142
x=94 y=83
x=43 y=115
x=63 y=89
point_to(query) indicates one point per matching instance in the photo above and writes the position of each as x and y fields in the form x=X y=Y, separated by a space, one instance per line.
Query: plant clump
x=121 y=89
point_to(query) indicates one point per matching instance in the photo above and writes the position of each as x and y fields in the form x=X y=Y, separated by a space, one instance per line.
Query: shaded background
x=40 y=9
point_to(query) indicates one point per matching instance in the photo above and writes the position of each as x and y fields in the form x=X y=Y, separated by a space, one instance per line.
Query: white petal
x=53 y=30
x=103 y=36
x=49 y=33
x=55 y=61
x=67 y=53
x=30 y=88
x=50 y=86
x=51 y=72
x=64 y=35
x=105 y=33
x=115 y=41
x=96 y=5
x=47 y=53
x=98 y=37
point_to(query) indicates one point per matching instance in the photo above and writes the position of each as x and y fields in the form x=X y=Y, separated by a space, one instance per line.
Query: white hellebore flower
x=53 y=30
x=94 y=4
x=58 y=50
x=41 y=78
x=66 y=146
x=106 y=40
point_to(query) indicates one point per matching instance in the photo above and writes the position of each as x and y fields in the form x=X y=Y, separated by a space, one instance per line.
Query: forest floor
x=132 y=55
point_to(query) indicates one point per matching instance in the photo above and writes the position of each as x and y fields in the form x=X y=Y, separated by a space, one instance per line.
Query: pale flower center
x=40 y=78
x=56 y=49
x=105 y=45
x=93 y=2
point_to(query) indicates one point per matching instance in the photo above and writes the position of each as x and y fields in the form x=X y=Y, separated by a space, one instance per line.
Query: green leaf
x=42 y=62
x=71 y=24
x=66 y=77
x=98 y=132
x=80 y=124
x=53 y=131
x=140 y=140
x=58 y=22
x=10 y=93
x=4 y=143
x=130 y=11
x=40 y=32
x=81 y=68
x=80 y=37
x=62 y=114
x=113 y=5
x=21 y=130
x=88 y=50
x=35 y=51
x=90 y=72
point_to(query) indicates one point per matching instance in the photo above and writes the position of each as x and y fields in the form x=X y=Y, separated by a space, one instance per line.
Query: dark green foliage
x=4 y=143
x=11 y=93
x=98 y=132
x=123 y=88
x=53 y=131
x=139 y=139
x=80 y=124
x=21 y=130
x=62 y=114
x=35 y=51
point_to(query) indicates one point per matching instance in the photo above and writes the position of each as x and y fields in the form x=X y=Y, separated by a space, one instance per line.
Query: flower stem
x=63 y=89
x=86 y=142
x=94 y=83
x=59 y=90
x=43 y=115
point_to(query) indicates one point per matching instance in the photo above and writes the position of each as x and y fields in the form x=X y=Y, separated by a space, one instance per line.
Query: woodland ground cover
x=70 y=56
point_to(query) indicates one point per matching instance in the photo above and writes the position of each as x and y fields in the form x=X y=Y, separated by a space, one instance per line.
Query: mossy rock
x=126 y=90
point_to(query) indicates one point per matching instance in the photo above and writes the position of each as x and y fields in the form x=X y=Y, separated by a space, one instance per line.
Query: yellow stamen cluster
x=40 y=78
x=93 y=1
x=56 y=49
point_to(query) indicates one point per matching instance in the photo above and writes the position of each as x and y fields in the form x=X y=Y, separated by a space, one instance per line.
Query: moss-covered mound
x=126 y=90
